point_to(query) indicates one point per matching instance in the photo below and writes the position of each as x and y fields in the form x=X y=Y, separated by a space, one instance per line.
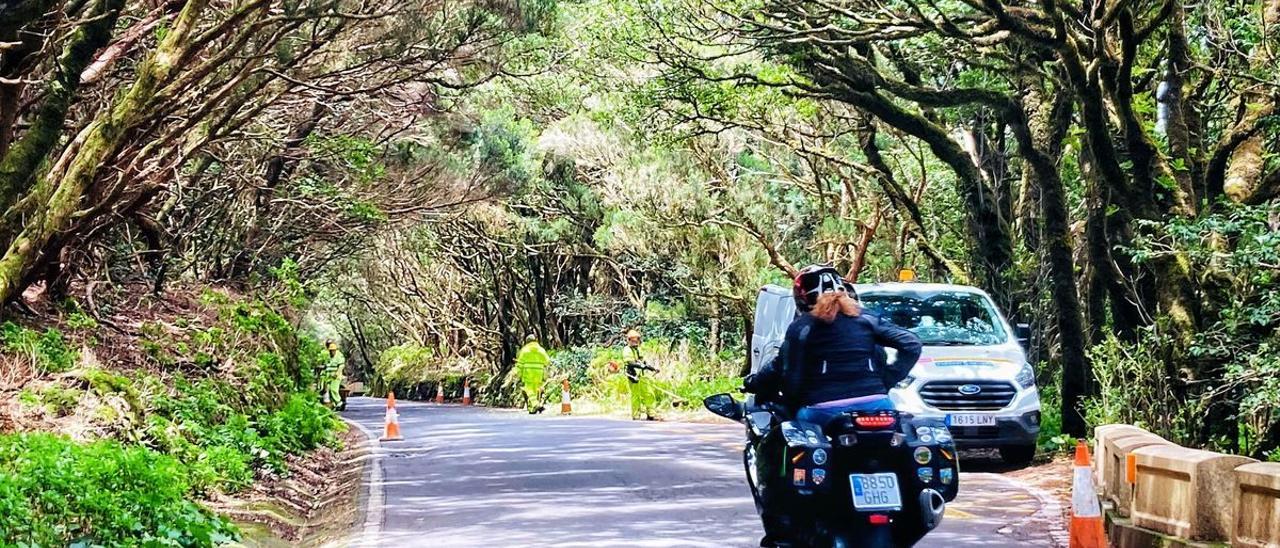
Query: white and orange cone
x=466 y=392
x=1086 y=513
x=565 y=408
x=391 y=431
x=440 y=392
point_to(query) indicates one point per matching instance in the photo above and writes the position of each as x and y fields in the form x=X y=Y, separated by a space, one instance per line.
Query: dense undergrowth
x=202 y=405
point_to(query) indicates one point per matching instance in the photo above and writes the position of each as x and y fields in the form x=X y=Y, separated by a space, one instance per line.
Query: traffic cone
x=440 y=392
x=392 y=430
x=1086 y=514
x=466 y=392
x=565 y=408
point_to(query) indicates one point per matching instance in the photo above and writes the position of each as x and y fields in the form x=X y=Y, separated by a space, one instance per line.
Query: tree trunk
x=21 y=160
x=1076 y=370
x=102 y=138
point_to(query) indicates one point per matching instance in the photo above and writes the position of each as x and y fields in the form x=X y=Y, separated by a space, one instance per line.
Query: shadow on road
x=985 y=460
x=476 y=477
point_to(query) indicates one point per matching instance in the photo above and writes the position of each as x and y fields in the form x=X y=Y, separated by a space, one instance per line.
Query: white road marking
x=376 y=503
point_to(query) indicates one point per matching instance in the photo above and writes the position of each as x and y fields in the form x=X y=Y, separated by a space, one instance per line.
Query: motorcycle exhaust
x=932 y=506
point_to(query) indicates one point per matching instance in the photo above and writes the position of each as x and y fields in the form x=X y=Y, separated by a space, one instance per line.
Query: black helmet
x=814 y=280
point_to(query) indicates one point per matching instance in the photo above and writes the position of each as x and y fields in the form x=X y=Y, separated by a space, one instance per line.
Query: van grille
x=975 y=432
x=946 y=395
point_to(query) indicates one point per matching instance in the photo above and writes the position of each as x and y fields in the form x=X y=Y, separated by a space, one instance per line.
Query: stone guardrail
x=1161 y=494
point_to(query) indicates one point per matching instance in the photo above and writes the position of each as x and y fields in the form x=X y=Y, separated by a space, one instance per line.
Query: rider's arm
x=767 y=381
x=905 y=342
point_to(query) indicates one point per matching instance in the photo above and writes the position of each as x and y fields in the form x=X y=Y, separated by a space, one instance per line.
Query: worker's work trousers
x=641 y=398
x=531 y=379
x=331 y=391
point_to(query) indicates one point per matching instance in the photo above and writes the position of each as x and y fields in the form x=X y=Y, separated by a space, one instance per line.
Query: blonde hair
x=831 y=304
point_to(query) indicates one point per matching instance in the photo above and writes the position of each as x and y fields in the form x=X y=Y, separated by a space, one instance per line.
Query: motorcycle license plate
x=971 y=420
x=875 y=492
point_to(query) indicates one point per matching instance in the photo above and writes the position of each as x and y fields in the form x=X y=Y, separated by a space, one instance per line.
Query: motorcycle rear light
x=875 y=422
x=878 y=519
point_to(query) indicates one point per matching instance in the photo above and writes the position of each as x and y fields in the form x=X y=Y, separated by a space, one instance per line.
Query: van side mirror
x=1023 y=332
x=724 y=405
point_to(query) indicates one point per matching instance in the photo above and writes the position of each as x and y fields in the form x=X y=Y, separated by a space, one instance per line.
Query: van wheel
x=1018 y=455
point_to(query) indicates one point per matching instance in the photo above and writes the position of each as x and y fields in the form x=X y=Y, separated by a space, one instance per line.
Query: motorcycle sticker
x=819 y=476
x=946 y=475
x=942 y=435
x=925 y=474
x=923 y=455
x=798 y=477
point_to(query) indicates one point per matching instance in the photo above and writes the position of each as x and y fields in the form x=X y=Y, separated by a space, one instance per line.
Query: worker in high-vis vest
x=331 y=377
x=531 y=364
x=638 y=382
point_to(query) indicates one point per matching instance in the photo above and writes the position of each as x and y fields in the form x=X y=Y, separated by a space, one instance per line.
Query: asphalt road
x=467 y=476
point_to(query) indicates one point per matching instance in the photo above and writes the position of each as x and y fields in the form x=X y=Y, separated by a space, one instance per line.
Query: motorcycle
x=870 y=479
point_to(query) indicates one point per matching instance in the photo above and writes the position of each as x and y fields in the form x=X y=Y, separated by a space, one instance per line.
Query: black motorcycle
x=867 y=478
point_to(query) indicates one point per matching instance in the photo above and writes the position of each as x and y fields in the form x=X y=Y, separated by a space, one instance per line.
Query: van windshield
x=943 y=318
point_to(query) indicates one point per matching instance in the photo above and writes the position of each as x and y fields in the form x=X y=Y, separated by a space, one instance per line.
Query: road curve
x=467 y=476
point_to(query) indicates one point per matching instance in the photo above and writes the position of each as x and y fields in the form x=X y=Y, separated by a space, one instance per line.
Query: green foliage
x=47 y=350
x=303 y=424
x=57 y=492
x=688 y=372
x=224 y=437
x=358 y=155
x=1134 y=387
x=58 y=400
x=294 y=290
x=407 y=364
x=80 y=321
x=502 y=146
x=222 y=426
x=28 y=397
x=1237 y=252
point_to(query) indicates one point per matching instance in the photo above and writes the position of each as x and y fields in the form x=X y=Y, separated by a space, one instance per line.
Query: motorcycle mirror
x=723 y=405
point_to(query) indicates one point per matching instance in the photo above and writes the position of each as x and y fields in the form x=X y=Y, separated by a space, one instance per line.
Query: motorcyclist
x=830 y=354
x=831 y=361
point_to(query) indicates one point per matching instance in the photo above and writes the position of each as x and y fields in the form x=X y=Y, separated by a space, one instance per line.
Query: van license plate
x=971 y=420
x=875 y=492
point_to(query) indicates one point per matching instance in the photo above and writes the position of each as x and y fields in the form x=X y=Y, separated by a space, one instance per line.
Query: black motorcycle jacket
x=824 y=362
x=766 y=383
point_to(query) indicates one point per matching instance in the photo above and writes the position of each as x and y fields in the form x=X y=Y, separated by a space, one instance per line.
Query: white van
x=973 y=373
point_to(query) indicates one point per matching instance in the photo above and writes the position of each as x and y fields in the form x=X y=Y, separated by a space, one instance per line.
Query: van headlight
x=1026 y=377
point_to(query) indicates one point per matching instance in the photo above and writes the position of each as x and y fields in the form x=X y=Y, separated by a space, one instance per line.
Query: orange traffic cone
x=440 y=392
x=392 y=430
x=1086 y=513
x=466 y=392
x=565 y=408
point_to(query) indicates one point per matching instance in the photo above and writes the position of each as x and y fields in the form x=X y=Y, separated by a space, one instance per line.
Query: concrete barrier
x=1185 y=492
x=1115 y=484
x=1103 y=434
x=1257 y=523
